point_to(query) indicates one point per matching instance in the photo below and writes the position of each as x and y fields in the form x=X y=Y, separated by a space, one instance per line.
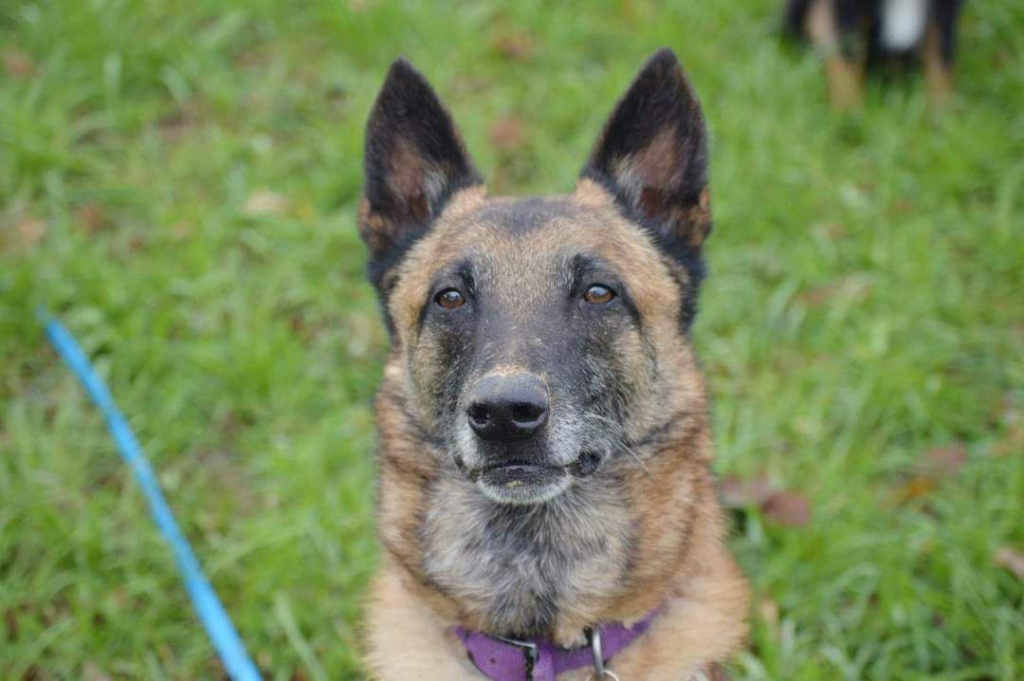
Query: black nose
x=506 y=408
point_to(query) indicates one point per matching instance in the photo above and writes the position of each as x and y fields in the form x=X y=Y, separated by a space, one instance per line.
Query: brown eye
x=598 y=295
x=449 y=299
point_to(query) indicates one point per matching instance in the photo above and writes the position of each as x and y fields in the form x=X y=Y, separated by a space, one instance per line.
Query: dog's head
x=540 y=339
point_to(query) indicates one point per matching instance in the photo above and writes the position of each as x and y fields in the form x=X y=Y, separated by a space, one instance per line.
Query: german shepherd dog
x=887 y=35
x=545 y=500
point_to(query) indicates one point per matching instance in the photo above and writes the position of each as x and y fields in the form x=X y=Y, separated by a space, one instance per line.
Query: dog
x=855 y=35
x=545 y=501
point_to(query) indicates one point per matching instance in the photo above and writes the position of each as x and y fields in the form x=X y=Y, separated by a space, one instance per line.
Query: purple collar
x=503 y=659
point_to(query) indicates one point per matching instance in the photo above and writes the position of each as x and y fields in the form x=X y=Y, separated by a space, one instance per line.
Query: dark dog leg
x=795 y=19
x=834 y=28
x=939 y=50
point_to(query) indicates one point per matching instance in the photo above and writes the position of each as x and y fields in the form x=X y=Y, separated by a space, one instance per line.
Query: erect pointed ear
x=652 y=156
x=414 y=162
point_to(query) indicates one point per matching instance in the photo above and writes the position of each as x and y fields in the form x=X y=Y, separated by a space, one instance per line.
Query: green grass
x=866 y=305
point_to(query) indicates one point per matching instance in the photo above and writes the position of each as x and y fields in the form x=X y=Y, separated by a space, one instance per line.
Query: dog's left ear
x=652 y=156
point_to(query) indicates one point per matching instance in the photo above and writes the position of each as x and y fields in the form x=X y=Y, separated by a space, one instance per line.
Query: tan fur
x=678 y=561
x=845 y=76
x=938 y=76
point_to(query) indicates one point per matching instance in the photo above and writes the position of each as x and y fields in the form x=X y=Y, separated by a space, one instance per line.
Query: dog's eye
x=449 y=299
x=599 y=295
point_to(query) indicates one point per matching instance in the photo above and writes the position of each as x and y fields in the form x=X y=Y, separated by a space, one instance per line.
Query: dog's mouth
x=523 y=482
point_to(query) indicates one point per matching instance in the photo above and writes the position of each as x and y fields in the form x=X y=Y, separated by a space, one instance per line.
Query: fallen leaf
x=946 y=462
x=788 y=509
x=853 y=288
x=18 y=64
x=264 y=202
x=507 y=133
x=736 y=492
x=832 y=231
x=173 y=127
x=90 y=672
x=934 y=466
x=1012 y=560
x=254 y=58
x=92 y=217
x=515 y=46
x=903 y=206
x=11 y=625
x=1012 y=445
x=181 y=231
x=31 y=230
x=779 y=506
x=915 y=488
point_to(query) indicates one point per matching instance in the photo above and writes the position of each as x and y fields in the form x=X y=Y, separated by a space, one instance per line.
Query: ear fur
x=414 y=161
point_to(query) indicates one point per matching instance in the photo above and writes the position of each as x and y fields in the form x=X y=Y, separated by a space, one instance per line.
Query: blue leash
x=215 y=619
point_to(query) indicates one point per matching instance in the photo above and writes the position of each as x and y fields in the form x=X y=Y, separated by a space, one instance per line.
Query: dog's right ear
x=652 y=156
x=414 y=162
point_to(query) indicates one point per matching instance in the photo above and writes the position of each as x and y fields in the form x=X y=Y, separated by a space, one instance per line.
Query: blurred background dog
x=889 y=35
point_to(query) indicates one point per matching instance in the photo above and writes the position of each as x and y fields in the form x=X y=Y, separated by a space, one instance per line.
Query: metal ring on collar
x=600 y=673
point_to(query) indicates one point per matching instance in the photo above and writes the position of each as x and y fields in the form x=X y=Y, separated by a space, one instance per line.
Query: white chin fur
x=522 y=496
x=903 y=23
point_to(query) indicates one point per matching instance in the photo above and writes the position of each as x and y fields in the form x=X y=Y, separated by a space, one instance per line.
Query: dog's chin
x=522 y=484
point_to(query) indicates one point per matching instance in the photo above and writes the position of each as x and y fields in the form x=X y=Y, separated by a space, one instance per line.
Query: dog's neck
x=514 y=570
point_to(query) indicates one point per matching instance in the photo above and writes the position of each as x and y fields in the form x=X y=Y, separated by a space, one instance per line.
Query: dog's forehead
x=520 y=217
x=533 y=240
x=509 y=237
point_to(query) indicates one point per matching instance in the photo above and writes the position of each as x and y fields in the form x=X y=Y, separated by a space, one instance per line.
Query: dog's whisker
x=619 y=440
x=636 y=456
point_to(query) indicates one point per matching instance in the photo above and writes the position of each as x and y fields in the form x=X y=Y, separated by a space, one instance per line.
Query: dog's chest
x=903 y=23
x=518 y=567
